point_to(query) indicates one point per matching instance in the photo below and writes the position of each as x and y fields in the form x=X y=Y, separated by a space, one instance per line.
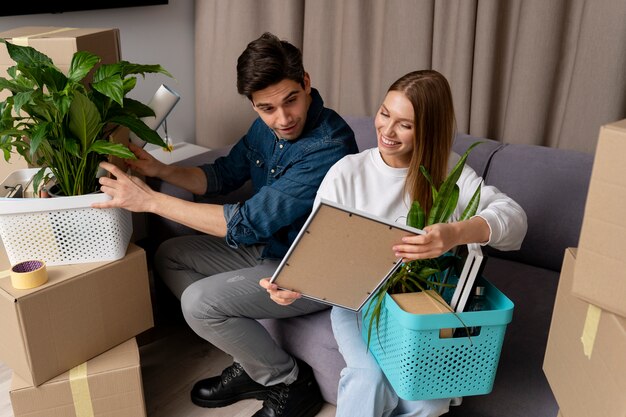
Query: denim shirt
x=285 y=177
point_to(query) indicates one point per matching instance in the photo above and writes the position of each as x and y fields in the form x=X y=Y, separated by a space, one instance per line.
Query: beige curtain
x=527 y=71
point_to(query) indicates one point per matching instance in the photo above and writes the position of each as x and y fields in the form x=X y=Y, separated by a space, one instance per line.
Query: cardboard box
x=600 y=276
x=584 y=361
x=82 y=311
x=59 y=44
x=107 y=385
x=424 y=302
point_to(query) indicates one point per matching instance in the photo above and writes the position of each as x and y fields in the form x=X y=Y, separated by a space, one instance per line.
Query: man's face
x=283 y=107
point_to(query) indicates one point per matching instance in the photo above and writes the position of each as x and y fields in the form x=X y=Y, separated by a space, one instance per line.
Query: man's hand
x=126 y=191
x=145 y=164
x=282 y=297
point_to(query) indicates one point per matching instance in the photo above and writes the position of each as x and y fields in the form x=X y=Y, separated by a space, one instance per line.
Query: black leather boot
x=231 y=386
x=301 y=398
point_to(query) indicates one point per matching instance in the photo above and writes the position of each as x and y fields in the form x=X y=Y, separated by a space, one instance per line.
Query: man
x=286 y=153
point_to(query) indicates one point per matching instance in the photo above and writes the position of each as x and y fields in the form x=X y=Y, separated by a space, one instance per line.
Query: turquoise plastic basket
x=421 y=366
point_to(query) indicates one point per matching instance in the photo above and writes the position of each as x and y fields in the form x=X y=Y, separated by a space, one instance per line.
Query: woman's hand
x=439 y=239
x=442 y=237
x=282 y=297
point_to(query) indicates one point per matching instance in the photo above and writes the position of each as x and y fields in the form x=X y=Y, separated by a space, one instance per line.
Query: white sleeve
x=506 y=219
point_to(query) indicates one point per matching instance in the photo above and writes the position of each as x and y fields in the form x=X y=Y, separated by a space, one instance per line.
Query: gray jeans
x=221 y=300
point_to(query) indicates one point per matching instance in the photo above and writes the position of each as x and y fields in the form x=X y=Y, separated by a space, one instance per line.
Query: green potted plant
x=426 y=274
x=57 y=122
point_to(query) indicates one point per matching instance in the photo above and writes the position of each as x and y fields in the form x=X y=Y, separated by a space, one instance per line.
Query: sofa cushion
x=551 y=186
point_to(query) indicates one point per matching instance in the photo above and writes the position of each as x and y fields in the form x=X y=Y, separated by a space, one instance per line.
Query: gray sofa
x=551 y=185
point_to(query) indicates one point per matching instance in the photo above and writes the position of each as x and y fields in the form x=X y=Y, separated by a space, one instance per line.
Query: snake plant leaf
x=443 y=208
x=140 y=129
x=426 y=175
x=84 y=121
x=104 y=147
x=472 y=206
x=446 y=189
x=416 y=216
x=82 y=63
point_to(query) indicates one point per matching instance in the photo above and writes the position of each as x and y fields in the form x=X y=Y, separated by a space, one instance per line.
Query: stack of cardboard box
x=585 y=361
x=71 y=342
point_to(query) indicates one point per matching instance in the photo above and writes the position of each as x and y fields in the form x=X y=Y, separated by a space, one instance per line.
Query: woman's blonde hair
x=435 y=125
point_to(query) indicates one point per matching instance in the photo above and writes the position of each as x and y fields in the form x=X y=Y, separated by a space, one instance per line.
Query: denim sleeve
x=288 y=199
x=227 y=173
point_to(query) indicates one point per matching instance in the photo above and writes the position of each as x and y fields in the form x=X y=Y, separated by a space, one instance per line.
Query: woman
x=415 y=126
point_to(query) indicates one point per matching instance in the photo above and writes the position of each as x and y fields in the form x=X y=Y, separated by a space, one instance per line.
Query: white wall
x=162 y=34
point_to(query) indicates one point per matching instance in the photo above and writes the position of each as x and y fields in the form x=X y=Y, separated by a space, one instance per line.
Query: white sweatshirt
x=365 y=182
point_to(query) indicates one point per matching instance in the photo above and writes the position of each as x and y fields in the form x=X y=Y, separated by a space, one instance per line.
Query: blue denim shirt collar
x=285 y=175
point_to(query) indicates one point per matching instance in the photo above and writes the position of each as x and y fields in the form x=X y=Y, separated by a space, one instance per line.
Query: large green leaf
x=82 y=63
x=139 y=128
x=26 y=55
x=130 y=68
x=109 y=148
x=12 y=86
x=37 y=135
x=136 y=108
x=53 y=79
x=84 y=120
x=112 y=87
x=107 y=70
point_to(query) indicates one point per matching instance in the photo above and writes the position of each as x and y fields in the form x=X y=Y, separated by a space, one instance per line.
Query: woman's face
x=395 y=129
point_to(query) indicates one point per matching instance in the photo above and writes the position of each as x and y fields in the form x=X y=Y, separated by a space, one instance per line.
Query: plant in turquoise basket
x=427 y=274
x=55 y=121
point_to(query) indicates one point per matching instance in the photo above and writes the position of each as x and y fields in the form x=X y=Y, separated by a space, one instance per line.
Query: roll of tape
x=28 y=274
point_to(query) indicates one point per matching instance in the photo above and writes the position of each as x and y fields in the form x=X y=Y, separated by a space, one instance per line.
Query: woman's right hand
x=145 y=164
x=282 y=297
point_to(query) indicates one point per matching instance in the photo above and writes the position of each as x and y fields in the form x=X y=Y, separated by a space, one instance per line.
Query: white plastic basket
x=63 y=230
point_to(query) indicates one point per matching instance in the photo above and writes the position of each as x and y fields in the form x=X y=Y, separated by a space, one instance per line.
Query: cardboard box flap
x=125 y=355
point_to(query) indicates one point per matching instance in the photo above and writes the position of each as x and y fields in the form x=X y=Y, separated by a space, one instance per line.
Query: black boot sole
x=201 y=402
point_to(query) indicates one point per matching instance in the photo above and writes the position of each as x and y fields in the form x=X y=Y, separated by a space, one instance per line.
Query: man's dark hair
x=267 y=61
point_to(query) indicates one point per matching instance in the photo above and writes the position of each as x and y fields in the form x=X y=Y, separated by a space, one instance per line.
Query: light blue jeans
x=363 y=388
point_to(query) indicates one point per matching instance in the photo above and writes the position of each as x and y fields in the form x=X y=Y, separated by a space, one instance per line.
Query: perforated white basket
x=63 y=230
